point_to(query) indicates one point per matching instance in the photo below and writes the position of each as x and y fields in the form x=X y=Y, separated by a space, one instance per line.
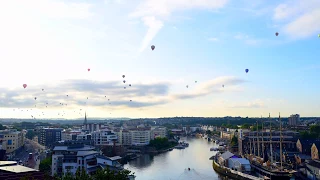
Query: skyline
x=50 y=44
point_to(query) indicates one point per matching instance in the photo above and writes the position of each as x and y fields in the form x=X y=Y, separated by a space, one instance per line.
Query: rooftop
x=73 y=148
x=86 y=153
x=16 y=169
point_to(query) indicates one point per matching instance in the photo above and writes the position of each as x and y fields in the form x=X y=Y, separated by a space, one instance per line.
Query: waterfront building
x=293 y=120
x=140 y=136
x=253 y=141
x=70 y=158
x=11 y=140
x=48 y=136
x=156 y=132
x=309 y=147
x=11 y=170
x=313 y=169
x=125 y=137
x=239 y=164
x=104 y=137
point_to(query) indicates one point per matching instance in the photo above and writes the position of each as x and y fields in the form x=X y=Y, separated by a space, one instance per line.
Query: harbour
x=173 y=165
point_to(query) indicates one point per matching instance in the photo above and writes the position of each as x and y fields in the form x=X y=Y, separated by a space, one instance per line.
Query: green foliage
x=234 y=141
x=2 y=127
x=170 y=134
x=101 y=174
x=162 y=143
x=245 y=126
x=106 y=174
x=208 y=132
x=30 y=134
x=314 y=133
x=45 y=165
x=254 y=127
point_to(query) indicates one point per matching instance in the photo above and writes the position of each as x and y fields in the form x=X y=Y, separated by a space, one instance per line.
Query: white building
x=239 y=164
x=70 y=158
x=140 y=136
x=103 y=137
x=11 y=140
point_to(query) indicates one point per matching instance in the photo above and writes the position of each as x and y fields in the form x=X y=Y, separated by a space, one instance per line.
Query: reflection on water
x=173 y=165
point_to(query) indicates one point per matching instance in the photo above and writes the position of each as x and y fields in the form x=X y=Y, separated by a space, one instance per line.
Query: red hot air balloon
x=88 y=69
x=152 y=47
x=24 y=85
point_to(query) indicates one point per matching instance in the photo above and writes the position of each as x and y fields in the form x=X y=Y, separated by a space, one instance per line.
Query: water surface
x=173 y=165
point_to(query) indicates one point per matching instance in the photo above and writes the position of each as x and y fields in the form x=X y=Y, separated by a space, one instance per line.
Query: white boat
x=214 y=149
x=180 y=147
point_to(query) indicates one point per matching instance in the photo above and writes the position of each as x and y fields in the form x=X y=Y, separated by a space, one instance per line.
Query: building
x=70 y=158
x=293 y=120
x=308 y=147
x=140 y=136
x=68 y=135
x=103 y=137
x=11 y=140
x=313 y=169
x=48 y=136
x=158 y=132
x=10 y=170
x=239 y=164
x=125 y=137
x=252 y=141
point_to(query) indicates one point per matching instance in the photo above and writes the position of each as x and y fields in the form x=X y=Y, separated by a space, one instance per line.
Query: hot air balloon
x=88 y=69
x=129 y=84
x=277 y=33
x=105 y=96
x=124 y=81
x=124 y=87
x=24 y=85
x=319 y=35
x=195 y=81
x=35 y=98
x=130 y=100
x=42 y=89
x=123 y=76
x=187 y=86
x=152 y=47
x=247 y=70
x=222 y=85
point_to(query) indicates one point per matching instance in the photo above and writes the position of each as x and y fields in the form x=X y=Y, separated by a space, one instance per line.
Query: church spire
x=85 y=119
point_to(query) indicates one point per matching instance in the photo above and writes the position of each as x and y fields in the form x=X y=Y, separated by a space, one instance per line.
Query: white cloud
x=230 y=83
x=114 y=1
x=157 y=11
x=154 y=27
x=302 y=18
x=213 y=39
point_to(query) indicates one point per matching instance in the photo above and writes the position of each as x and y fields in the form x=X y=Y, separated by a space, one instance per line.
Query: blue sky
x=50 y=44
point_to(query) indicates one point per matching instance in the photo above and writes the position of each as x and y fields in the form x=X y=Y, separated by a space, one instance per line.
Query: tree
x=45 y=165
x=101 y=174
x=30 y=134
x=2 y=127
x=208 y=132
x=234 y=141
x=107 y=174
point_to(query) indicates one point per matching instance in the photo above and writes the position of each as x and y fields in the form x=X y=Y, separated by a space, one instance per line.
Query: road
x=34 y=148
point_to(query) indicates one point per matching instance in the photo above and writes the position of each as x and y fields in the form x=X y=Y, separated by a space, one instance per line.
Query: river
x=173 y=165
